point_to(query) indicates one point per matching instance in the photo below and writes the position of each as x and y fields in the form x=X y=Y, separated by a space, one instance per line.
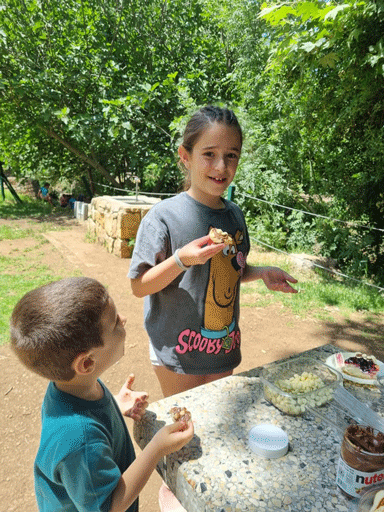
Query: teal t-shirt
x=84 y=448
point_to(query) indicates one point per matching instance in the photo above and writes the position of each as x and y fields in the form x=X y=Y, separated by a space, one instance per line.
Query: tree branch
x=90 y=161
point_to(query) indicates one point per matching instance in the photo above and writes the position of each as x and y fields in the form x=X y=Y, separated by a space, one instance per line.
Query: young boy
x=70 y=332
x=44 y=193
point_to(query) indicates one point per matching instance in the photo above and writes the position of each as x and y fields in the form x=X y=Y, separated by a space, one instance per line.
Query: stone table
x=217 y=472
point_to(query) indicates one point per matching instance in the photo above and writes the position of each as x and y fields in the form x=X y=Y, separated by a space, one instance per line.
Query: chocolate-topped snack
x=181 y=414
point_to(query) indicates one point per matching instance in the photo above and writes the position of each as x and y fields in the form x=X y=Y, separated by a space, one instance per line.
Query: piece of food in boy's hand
x=220 y=237
x=181 y=414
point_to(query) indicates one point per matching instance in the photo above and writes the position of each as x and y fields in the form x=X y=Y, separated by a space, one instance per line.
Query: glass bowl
x=368 y=496
x=299 y=383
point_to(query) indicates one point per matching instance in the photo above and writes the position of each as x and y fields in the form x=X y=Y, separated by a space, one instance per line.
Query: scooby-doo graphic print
x=193 y=323
x=219 y=331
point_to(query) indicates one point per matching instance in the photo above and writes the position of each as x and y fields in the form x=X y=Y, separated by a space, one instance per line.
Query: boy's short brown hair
x=53 y=324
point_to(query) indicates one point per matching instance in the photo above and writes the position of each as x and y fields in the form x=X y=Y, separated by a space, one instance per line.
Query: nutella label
x=353 y=481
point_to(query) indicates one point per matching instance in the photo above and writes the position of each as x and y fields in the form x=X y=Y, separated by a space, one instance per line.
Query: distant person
x=44 y=193
x=64 y=198
x=67 y=200
x=70 y=333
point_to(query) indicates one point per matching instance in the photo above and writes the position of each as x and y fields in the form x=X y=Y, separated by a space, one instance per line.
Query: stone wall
x=114 y=220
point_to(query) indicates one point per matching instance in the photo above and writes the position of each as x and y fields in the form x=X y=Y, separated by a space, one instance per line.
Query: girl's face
x=212 y=163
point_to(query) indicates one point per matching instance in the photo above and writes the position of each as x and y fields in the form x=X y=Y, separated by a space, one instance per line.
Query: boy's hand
x=173 y=437
x=132 y=403
x=277 y=280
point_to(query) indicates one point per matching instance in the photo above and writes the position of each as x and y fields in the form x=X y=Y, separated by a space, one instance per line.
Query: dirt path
x=268 y=334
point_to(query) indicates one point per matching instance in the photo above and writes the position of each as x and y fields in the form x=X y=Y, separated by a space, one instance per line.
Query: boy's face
x=113 y=335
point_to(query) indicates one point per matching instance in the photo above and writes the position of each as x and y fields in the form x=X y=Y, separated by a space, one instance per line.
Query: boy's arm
x=157 y=278
x=167 y=440
x=274 y=278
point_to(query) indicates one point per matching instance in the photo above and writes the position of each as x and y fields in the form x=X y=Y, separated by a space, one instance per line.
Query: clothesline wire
x=243 y=194
x=275 y=248
x=348 y=223
x=134 y=191
x=317 y=265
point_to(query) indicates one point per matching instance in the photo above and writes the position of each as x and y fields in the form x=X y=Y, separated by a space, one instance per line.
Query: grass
x=21 y=269
x=12 y=233
x=16 y=278
x=319 y=293
x=10 y=209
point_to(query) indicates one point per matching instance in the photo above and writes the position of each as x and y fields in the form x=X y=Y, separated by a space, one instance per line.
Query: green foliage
x=103 y=89
x=94 y=85
x=301 y=232
x=327 y=57
x=315 y=107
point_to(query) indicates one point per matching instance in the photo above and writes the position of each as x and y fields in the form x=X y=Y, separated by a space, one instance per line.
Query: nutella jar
x=361 y=461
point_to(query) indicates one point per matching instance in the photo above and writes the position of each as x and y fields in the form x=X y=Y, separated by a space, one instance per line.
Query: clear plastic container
x=276 y=377
x=367 y=497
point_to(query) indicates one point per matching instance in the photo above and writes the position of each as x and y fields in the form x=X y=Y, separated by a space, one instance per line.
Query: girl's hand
x=171 y=438
x=132 y=403
x=276 y=279
x=199 y=251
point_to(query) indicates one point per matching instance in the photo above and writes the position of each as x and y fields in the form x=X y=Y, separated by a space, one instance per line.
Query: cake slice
x=361 y=366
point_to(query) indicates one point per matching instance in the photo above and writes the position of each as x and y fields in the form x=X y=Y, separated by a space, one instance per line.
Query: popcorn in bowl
x=298 y=383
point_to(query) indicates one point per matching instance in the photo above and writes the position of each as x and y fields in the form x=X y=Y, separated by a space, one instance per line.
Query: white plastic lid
x=269 y=441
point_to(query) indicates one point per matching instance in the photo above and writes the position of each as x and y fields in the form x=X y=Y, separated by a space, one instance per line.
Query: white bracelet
x=178 y=260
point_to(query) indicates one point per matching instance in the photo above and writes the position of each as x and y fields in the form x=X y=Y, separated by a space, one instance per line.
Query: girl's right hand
x=199 y=251
x=171 y=438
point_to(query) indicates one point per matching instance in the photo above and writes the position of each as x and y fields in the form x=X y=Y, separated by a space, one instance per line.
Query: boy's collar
x=92 y=392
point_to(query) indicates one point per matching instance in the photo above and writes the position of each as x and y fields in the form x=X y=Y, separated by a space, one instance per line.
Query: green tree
x=95 y=85
x=325 y=94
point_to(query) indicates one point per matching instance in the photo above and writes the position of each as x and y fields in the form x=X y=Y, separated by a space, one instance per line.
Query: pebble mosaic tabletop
x=218 y=472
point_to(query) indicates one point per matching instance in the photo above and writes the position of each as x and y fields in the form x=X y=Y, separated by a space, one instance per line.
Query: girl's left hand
x=277 y=280
x=132 y=403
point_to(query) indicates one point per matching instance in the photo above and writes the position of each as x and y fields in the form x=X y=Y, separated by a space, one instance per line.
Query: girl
x=190 y=284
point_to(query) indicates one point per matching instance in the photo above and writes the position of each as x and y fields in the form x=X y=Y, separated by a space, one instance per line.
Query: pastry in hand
x=220 y=237
x=181 y=414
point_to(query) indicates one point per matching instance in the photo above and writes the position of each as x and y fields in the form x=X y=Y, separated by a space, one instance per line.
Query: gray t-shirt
x=193 y=322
